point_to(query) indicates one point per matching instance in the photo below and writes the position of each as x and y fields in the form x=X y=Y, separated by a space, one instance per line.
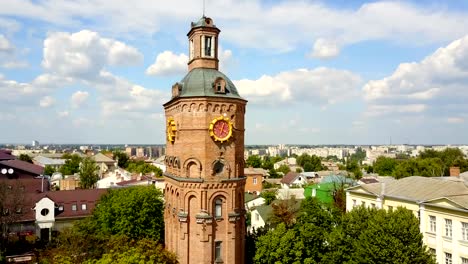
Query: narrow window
x=448 y=227
x=354 y=201
x=432 y=223
x=363 y=204
x=218 y=251
x=390 y=208
x=255 y=180
x=192 y=49
x=73 y=207
x=208 y=46
x=464 y=231
x=464 y=260
x=83 y=207
x=432 y=251
x=218 y=208
x=373 y=205
x=448 y=258
x=257 y=216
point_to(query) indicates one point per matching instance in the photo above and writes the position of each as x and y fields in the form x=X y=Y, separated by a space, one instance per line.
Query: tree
x=279 y=246
x=72 y=164
x=378 y=236
x=273 y=174
x=136 y=212
x=269 y=196
x=284 y=211
x=25 y=157
x=121 y=158
x=49 y=170
x=309 y=163
x=88 y=173
x=253 y=161
x=284 y=169
x=142 y=167
x=298 y=170
x=12 y=202
x=385 y=166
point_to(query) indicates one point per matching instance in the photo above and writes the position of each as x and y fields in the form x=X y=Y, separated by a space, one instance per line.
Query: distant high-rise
x=35 y=143
x=205 y=183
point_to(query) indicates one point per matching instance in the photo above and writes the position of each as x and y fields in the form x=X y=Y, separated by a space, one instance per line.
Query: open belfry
x=204 y=193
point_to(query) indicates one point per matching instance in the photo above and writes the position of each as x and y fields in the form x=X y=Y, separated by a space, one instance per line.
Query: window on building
x=432 y=251
x=373 y=205
x=448 y=258
x=83 y=207
x=363 y=203
x=354 y=201
x=218 y=250
x=448 y=227
x=257 y=216
x=255 y=180
x=192 y=49
x=464 y=260
x=208 y=46
x=73 y=207
x=218 y=208
x=464 y=231
x=432 y=223
x=390 y=208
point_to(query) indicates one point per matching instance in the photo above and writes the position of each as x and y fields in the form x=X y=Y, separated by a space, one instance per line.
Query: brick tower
x=204 y=215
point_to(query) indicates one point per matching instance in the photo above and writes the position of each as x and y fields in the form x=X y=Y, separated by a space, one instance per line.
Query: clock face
x=221 y=129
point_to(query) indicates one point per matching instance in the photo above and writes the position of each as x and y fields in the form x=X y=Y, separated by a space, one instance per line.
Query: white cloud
x=324 y=49
x=78 y=98
x=46 y=101
x=259 y=25
x=380 y=110
x=15 y=65
x=435 y=84
x=84 y=54
x=321 y=86
x=455 y=120
x=5 y=44
x=62 y=114
x=168 y=63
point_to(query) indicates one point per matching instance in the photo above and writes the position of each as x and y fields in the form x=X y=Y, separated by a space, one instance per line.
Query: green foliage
x=49 y=170
x=135 y=212
x=377 y=236
x=253 y=161
x=353 y=167
x=273 y=174
x=358 y=156
x=384 y=166
x=141 y=166
x=122 y=158
x=310 y=163
x=88 y=173
x=25 y=157
x=284 y=169
x=127 y=251
x=298 y=170
x=72 y=164
x=364 y=235
x=269 y=196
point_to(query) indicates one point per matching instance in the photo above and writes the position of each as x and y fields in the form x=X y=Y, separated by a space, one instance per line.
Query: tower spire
x=203 y=8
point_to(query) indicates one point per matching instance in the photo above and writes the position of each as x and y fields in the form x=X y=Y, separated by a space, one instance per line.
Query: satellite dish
x=10 y=171
x=4 y=171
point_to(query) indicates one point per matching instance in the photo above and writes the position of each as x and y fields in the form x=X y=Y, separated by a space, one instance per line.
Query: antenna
x=203 y=8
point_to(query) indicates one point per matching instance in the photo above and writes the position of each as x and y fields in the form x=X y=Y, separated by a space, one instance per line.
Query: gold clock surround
x=171 y=130
x=212 y=127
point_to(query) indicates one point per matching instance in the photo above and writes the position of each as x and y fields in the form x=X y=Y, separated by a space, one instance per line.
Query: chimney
x=455 y=171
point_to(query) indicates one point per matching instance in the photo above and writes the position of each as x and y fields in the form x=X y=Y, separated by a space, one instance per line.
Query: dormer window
x=219 y=85
x=175 y=90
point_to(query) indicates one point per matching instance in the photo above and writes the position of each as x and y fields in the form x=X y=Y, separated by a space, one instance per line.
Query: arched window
x=218 y=208
x=218 y=167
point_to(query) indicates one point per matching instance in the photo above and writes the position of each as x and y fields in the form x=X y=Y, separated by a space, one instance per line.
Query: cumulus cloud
x=5 y=44
x=324 y=49
x=455 y=120
x=46 y=101
x=84 y=54
x=78 y=98
x=321 y=86
x=433 y=84
x=257 y=25
x=168 y=63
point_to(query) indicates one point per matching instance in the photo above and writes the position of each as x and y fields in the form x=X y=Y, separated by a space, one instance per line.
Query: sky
x=313 y=72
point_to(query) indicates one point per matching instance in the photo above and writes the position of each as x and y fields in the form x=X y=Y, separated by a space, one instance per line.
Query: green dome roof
x=200 y=82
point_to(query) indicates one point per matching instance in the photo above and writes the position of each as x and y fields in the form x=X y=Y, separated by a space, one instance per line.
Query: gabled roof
x=254 y=171
x=101 y=158
x=418 y=189
x=48 y=161
x=6 y=155
x=290 y=177
x=265 y=211
x=75 y=197
x=23 y=166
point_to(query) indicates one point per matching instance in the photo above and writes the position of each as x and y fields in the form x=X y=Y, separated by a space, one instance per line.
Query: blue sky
x=314 y=72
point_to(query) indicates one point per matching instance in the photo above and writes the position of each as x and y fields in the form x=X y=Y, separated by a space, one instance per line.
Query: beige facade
x=204 y=192
x=441 y=205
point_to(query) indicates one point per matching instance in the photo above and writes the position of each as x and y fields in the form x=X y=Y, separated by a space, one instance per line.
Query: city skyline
x=354 y=73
